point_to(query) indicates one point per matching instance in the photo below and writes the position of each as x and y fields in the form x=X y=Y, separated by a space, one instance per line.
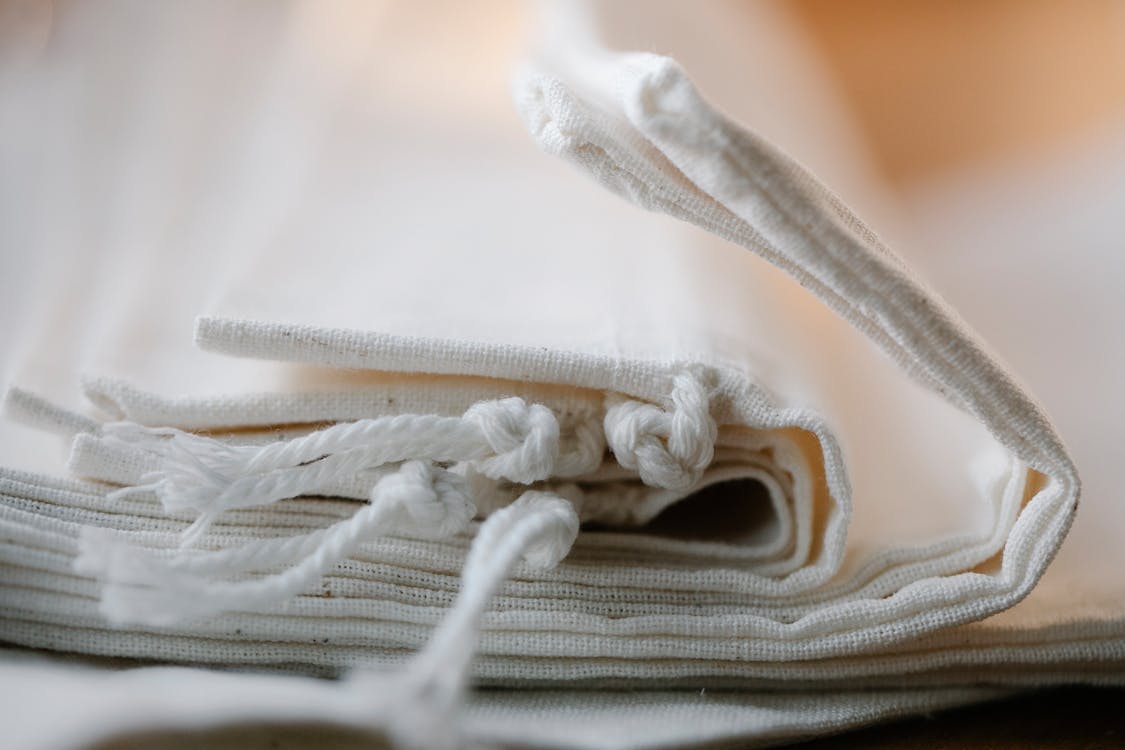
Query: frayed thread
x=145 y=587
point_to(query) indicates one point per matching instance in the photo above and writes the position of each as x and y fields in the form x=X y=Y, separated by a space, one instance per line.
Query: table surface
x=1056 y=719
x=1061 y=718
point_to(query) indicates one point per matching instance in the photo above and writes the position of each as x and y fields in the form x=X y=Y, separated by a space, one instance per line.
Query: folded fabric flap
x=457 y=415
x=631 y=366
x=638 y=125
x=739 y=405
x=870 y=499
x=612 y=307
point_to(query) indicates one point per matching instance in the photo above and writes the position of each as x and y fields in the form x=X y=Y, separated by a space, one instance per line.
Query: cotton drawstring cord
x=670 y=447
x=503 y=439
x=582 y=450
x=496 y=442
x=140 y=587
x=538 y=528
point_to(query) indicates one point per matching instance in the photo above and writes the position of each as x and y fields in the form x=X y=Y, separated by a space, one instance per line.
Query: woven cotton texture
x=458 y=417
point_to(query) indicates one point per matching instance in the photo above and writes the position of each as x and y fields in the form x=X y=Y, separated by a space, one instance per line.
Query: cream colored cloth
x=367 y=230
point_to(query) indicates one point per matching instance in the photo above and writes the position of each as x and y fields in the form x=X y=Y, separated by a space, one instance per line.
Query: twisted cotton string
x=140 y=587
x=506 y=439
x=582 y=449
x=539 y=528
x=668 y=448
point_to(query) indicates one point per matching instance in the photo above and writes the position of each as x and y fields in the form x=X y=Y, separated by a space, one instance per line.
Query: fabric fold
x=454 y=415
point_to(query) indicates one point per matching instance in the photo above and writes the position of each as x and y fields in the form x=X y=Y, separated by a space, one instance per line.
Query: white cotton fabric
x=362 y=226
x=145 y=705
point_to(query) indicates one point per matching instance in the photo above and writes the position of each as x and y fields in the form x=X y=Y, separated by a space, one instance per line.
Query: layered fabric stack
x=512 y=458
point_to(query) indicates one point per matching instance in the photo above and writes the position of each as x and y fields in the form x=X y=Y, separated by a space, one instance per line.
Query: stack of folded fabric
x=457 y=418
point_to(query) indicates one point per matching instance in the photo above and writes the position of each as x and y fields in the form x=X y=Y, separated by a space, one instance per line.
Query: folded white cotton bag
x=481 y=320
x=994 y=246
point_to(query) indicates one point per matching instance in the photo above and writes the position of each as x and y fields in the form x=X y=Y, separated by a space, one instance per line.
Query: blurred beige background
x=942 y=84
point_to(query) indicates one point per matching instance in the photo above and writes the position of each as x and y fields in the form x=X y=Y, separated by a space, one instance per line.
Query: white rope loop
x=668 y=448
x=538 y=528
x=142 y=587
x=523 y=438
